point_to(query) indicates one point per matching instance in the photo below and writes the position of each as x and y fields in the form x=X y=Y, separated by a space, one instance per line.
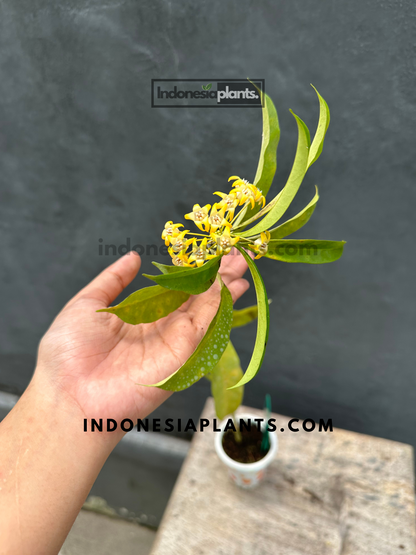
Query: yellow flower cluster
x=216 y=222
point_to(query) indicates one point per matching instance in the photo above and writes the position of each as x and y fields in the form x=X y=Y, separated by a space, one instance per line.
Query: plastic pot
x=246 y=475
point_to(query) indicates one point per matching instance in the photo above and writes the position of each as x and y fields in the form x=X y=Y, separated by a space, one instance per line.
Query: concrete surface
x=83 y=156
x=94 y=534
x=325 y=493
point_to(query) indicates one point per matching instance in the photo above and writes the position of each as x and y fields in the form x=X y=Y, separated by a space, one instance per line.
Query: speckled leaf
x=147 y=305
x=192 y=281
x=209 y=350
x=226 y=374
x=244 y=316
x=323 y=123
x=262 y=323
x=306 y=251
x=297 y=221
x=282 y=200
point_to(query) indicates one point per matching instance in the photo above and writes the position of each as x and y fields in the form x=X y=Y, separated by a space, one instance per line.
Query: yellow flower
x=257 y=196
x=200 y=254
x=225 y=242
x=261 y=244
x=178 y=243
x=180 y=259
x=230 y=201
x=217 y=218
x=170 y=231
x=236 y=179
x=199 y=216
x=246 y=191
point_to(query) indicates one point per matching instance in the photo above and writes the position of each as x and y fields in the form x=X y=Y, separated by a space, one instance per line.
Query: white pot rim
x=245 y=467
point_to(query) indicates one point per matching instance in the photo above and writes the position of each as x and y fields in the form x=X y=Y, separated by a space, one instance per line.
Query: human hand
x=95 y=360
x=88 y=366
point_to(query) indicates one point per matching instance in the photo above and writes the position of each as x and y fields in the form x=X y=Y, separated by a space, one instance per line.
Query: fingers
x=203 y=307
x=237 y=288
x=111 y=282
x=233 y=266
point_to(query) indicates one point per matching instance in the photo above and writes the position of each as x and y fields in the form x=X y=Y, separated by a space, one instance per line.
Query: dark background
x=83 y=157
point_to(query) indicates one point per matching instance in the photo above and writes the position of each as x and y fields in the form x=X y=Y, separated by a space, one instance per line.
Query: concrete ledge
x=324 y=494
x=94 y=534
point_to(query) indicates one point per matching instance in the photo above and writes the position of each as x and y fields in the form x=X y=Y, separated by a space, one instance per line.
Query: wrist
x=57 y=413
x=49 y=466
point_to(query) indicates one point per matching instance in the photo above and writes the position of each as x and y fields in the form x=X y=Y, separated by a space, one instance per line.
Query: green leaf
x=226 y=374
x=208 y=87
x=244 y=316
x=266 y=167
x=282 y=200
x=308 y=251
x=147 y=305
x=209 y=350
x=262 y=323
x=190 y=280
x=297 y=221
x=323 y=123
x=170 y=268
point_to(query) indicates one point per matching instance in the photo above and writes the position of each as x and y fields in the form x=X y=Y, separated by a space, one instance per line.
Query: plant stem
x=237 y=434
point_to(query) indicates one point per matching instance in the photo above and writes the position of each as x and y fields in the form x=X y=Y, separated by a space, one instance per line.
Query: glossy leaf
x=297 y=221
x=323 y=123
x=307 y=251
x=209 y=350
x=270 y=139
x=226 y=374
x=192 y=280
x=244 y=316
x=147 y=305
x=170 y=268
x=281 y=202
x=266 y=167
x=262 y=323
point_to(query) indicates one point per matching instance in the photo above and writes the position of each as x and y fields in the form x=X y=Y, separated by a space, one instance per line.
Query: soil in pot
x=248 y=450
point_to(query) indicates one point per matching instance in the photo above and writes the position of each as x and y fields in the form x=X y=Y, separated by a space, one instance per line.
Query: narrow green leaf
x=297 y=221
x=262 y=323
x=208 y=87
x=170 y=268
x=323 y=123
x=266 y=167
x=283 y=199
x=147 y=305
x=307 y=251
x=209 y=350
x=190 y=280
x=244 y=316
x=226 y=374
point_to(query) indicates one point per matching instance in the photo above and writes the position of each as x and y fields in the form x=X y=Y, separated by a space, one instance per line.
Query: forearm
x=47 y=467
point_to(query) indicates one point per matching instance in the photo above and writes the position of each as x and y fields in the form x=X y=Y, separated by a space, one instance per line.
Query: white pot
x=246 y=475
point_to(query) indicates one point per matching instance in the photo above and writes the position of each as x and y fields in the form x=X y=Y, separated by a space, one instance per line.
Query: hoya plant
x=241 y=219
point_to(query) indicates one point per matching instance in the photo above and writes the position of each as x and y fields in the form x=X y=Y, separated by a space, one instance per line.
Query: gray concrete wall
x=83 y=157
